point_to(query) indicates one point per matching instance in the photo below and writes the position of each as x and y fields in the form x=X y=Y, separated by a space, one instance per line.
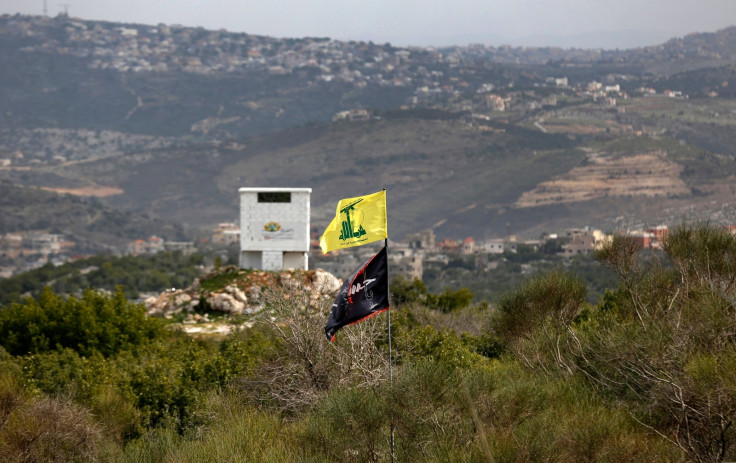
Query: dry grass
x=46 y=430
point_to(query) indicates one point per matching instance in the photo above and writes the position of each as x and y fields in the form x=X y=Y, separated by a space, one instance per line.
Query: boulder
x=225 y=302
x=325 y=282
x=168 y=303
x=182 y=299
x=236 y=292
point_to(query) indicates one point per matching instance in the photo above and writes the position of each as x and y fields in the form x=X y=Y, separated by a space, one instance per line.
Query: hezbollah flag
x=358 y=221
x=363 y=294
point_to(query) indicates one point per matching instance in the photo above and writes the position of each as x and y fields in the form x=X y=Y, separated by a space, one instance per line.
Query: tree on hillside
x=665 y=341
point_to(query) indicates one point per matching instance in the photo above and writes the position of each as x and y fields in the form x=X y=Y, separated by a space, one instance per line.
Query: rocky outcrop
x=230 y=301
x=243 y=292
x=170 y=303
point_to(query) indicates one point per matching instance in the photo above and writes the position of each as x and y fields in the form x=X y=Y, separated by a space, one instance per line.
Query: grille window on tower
x=274 y=197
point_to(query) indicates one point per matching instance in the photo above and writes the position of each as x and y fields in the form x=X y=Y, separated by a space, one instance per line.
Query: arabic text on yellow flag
x=358 y=221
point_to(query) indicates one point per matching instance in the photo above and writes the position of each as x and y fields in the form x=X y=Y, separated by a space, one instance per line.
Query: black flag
x=364 y=294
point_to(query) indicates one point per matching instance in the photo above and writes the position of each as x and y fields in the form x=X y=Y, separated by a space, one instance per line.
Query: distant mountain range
x=471 y=141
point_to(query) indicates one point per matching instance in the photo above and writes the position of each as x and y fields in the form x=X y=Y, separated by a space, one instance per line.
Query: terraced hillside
x=441 y=170
x=639 y=174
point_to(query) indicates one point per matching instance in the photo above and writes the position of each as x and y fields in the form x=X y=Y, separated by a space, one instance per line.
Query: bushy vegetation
x=490 y=280
x=95 y=323
x=134 y=274
x=126 y=372
x=644 y=374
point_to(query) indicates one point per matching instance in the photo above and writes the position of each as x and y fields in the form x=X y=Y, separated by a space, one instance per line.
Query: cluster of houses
x=163 y=48
x=27 y=250
x=606 y=94
x=155 y=244
x=423 y=250
x=432 y=72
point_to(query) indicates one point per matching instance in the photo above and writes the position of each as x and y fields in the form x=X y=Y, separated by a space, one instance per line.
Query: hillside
x=87 y=222
x=432 y=168
x=462 y=177
x=110 y=132
x=480 y=141
x=176 y=81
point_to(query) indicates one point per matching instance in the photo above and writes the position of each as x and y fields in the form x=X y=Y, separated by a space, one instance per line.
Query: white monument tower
x=274 y=228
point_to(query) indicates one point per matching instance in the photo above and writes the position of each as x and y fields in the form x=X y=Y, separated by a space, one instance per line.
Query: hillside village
x=462 y=78
x=430 y=73
x=424 y=250
x=161 y=48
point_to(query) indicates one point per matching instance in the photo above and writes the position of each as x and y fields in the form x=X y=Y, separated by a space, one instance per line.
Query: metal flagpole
x=390 y=360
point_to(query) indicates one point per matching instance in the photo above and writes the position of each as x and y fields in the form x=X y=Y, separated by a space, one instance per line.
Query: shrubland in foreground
x=646 y=374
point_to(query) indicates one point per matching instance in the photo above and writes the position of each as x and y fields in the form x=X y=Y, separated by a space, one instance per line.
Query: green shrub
x=405 y=291
x=554 y=297
x=351 y=424
x=354 y=424
x=449 y=300
x=116 y=413
x=486 y=345
x=664 y=342
x=12 y=396
x=428 y=342
x=95 y=323
x=65 y=372
x=133 y=274
x=162 y=382
x=703 y=256
x=532 y=417
x=440 y=413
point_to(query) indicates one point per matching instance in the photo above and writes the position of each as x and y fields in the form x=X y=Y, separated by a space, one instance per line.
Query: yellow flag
x=358 y=221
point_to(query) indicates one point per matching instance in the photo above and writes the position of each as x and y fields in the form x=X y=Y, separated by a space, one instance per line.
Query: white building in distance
x=274 y=228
